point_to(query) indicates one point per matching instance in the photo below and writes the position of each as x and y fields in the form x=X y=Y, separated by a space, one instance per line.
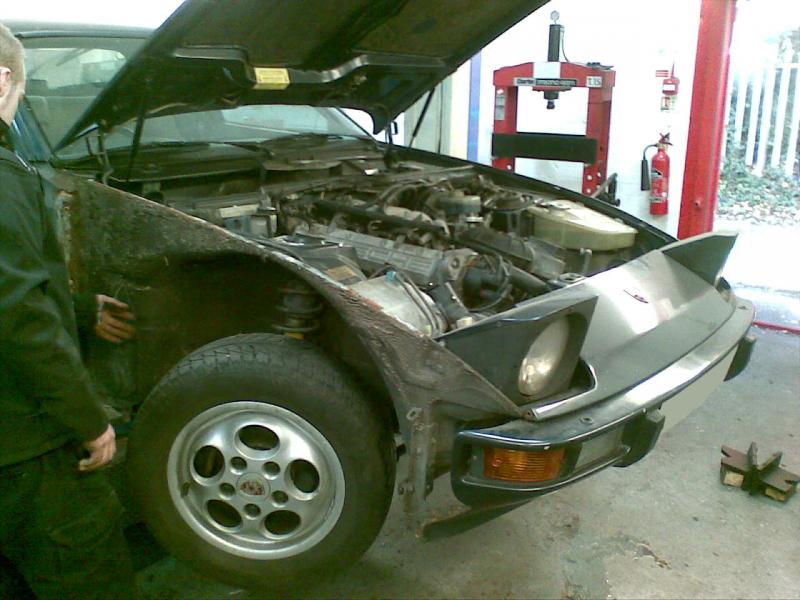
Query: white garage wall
x=445 y=126
x=636 y=37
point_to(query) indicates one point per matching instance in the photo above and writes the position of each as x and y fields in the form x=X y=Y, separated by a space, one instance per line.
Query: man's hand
x=112 y=320
x=101 y=451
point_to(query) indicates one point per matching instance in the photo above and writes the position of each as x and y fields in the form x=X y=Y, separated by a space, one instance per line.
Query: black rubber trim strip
x=549 y=146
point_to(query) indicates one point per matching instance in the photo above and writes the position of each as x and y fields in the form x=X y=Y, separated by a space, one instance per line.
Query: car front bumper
x=618 y=430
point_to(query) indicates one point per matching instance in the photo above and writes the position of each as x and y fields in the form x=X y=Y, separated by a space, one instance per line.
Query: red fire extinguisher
x=655 y=176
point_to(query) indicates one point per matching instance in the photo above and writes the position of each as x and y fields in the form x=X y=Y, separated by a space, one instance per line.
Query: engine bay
x=438 y=248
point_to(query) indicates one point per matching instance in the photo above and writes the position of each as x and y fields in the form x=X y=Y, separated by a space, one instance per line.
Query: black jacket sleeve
x=85 y=310
x=34 y=341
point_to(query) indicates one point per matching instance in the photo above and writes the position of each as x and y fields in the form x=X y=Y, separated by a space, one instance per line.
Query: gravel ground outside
x=765 y=212
x=772 y=198
x=760 y=213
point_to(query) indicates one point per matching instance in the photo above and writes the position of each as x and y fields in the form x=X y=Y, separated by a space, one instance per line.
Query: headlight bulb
x=545 y=354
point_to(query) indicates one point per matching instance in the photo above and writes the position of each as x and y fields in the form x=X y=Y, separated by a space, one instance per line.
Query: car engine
x=438 y=248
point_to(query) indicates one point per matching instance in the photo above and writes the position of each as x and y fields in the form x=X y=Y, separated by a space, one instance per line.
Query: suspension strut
x=300 y=306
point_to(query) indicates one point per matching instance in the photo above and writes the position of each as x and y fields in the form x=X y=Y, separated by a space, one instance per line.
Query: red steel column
x=505 y=120
x=598 y=126
x=706 y=123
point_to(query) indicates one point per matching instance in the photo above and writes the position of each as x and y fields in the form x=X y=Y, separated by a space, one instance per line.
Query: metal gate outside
x=764 y=118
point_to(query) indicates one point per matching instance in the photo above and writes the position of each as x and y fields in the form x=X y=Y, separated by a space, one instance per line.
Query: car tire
x=259 y=461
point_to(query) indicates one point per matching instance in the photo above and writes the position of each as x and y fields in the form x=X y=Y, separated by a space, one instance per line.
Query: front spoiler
x=625 y=425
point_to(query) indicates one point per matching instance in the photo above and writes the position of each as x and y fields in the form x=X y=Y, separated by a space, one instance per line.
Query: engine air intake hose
x=525 y=281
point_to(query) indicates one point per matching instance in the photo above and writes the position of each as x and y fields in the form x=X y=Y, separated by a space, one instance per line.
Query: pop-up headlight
x=532 y=351
x=543 y=358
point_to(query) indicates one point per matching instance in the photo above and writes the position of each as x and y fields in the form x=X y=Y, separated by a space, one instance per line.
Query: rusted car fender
x=116 y=239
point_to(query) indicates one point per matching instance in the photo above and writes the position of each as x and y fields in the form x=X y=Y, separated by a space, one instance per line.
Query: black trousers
x=61 y=530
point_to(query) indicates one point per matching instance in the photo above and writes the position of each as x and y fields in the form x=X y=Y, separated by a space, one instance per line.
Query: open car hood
x=379 y=56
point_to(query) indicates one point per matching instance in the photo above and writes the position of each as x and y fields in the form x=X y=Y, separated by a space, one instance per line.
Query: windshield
x=66 y=74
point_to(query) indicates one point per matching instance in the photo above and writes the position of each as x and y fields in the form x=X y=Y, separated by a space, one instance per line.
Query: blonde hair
x=11 y=53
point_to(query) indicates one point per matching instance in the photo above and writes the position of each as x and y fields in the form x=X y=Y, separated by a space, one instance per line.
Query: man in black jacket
x=59 y=517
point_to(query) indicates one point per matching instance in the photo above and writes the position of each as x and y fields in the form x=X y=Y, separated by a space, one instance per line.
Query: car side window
x=68 y=68
x=65 y=75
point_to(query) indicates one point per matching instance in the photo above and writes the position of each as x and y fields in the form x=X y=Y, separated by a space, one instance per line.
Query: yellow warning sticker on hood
x=271 y=78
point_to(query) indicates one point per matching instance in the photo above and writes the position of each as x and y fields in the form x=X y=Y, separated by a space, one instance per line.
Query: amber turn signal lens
x=521 y=465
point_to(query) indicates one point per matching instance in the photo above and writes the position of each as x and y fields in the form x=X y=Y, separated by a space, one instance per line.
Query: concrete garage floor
x=663 y=528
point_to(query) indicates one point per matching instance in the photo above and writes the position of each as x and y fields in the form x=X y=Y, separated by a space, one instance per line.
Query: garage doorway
x=759 y=192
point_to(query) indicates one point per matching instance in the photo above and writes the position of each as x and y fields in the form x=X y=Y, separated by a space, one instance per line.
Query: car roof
x=29 y=29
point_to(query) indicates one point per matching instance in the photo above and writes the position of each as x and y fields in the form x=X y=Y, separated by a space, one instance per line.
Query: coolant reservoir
x=572 y=225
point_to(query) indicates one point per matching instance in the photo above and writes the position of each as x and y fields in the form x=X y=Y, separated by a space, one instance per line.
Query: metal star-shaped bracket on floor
x=743 y=470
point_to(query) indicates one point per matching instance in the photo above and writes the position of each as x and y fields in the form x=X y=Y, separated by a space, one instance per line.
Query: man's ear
x=5 y=81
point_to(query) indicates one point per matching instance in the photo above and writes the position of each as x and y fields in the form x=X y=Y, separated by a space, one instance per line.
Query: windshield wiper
x=174 y=144
x=312 y=135
x=266 y=147
x=309 y=135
